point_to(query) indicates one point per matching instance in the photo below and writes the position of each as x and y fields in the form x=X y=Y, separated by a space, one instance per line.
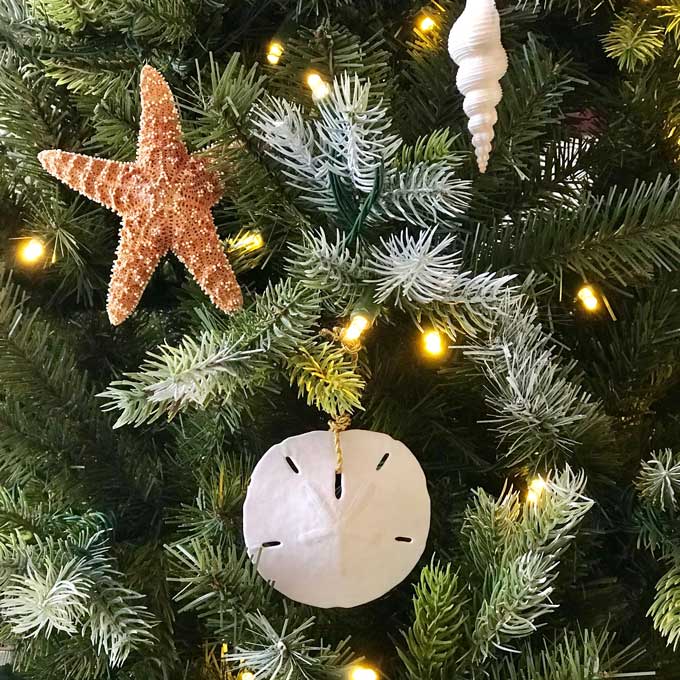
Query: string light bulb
x=433 y=343
x=588 y=298
x=426 y=24
x=31 y=251
x=274 y=52
x=317 y=85
x=357 y=325
x=362 y=673
x=246 y=675
x=536 y=488
x=248 y=241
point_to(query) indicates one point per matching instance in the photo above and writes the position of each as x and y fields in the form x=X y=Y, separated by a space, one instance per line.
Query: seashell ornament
x=475 y=45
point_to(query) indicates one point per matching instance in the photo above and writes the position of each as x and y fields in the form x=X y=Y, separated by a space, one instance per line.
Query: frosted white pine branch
x=47 y=598
x=176 y=377
x=354 y=135
x=411 y=269
x=327 y=265
x=659 y=479
x=548 y=524
x=415 y=271
x=506 y=526
x=118 y=623
x=352 y=140
x=516 y=547
x=424 y=193
x=539 y=408
x=519 y=598
x=290 y=653
x=189 y=373
x=80 y=594
x=290 y=141
x=569 y=656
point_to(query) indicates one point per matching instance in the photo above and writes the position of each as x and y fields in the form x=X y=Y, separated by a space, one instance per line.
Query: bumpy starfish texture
x=164 y=199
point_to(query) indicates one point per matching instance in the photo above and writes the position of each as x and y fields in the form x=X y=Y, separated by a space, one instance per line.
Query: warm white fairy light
x=362 y=673
x=433 y=343
x=317 y=85
x=536 y=488
x=274 y=52
x=426 y=24
x=588 y=298
x=247 y=241
x=31 y=251
x=357 y=325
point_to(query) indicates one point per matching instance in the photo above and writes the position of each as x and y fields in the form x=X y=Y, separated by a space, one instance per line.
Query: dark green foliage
x=624 y=237
x=370 y=201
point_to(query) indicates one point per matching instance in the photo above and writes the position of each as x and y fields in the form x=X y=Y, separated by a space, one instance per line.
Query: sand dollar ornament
x=331 y=537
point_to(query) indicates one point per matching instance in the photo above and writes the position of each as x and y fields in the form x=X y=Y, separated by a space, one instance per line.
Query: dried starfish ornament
x=164 y=199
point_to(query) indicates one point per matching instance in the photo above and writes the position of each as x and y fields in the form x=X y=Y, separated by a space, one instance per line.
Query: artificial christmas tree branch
x=626 y=235
x=223 y=363
x=383 y=275
x=539 y=408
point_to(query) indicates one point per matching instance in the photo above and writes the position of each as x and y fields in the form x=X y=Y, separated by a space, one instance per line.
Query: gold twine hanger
x=337 y=425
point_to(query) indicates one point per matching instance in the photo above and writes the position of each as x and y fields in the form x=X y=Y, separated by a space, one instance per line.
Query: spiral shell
x=475 y=45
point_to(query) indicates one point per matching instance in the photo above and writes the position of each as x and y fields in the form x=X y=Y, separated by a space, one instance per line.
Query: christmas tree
x=314 y=241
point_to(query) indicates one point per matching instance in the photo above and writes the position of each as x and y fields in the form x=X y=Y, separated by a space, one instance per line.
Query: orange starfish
x=164 y=198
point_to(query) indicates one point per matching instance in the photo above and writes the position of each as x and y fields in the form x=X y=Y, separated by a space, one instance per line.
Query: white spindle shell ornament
x=330 y=551
x=475 y=45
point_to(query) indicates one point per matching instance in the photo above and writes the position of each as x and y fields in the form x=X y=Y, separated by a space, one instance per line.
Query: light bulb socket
x=366 y=306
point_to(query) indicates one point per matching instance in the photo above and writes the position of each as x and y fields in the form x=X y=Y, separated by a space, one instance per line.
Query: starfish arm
x=199 y=248
x=160 y=132
x=139 y=251
x=101 y=180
